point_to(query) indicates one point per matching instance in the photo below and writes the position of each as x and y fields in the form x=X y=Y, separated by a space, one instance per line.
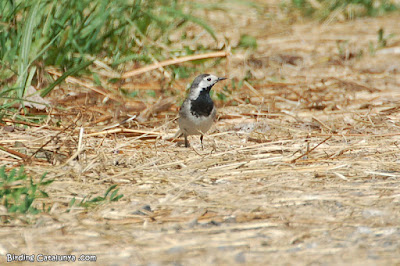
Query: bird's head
x=203 y=84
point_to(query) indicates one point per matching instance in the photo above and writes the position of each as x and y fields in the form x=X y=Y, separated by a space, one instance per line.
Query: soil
x=302 y=166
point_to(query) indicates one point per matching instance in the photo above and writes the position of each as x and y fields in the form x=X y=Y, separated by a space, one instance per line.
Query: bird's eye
x=209 y=79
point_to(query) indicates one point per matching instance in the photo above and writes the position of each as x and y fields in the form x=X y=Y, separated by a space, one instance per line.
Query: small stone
x=372 y=213
x=8 y=128
x=240 y=257
x=175 y=250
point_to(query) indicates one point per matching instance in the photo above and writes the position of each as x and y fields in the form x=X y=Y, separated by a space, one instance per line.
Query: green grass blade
x=109 y=189
x=44 y=49
x=26 y=44
x=68 y=73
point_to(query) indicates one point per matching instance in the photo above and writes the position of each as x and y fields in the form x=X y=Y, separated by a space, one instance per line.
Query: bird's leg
x=201 y=140
x=186 y=141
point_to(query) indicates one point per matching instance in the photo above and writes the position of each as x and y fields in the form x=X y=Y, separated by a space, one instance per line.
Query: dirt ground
x=301 y=168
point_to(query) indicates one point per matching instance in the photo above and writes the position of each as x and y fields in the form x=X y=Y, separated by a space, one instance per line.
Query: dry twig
x=172 y=62
x=308 y=151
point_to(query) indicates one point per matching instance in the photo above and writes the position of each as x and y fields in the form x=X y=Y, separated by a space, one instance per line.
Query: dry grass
x=304 y=170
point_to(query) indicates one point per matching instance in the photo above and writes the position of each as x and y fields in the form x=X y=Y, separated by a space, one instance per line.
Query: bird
x=197 y=112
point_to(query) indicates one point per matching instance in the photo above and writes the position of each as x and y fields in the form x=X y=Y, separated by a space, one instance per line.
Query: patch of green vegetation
x=382 y=40
x=18 y=192
x=237 y=85
x=222 y=96
x=247 y=41
x=181 y=72
x=322 y=9
x=151 y=93
x=111 y=195
x=128 y=93
x=345 y=52
x=70 y=34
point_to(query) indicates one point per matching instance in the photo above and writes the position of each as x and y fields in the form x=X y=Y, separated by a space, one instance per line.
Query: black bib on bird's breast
x=203 y=105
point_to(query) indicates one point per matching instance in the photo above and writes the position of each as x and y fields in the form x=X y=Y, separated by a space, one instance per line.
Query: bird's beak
x=219 y=79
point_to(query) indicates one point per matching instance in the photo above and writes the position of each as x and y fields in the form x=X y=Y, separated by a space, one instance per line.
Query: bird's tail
x=178 y=134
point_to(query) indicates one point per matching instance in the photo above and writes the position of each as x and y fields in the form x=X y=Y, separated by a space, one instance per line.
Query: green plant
x=345 y=52
x=247 y=41
x=87 y=202
x=18 y=193
x=236 y=85
x=381 y=42
x=71 y=34
x=382 y=38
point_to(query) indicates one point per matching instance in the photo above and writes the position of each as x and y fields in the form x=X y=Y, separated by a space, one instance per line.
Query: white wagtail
x=198 y=112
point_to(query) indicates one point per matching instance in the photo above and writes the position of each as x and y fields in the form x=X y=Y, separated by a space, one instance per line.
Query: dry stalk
x=308 y=151
x=173 y=62
x=20 y=155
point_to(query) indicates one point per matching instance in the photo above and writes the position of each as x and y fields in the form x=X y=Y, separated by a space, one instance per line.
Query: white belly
x=195 y=125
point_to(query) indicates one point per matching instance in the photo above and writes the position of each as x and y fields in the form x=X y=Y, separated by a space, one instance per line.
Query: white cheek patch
x=194 y=94
x=203 y=84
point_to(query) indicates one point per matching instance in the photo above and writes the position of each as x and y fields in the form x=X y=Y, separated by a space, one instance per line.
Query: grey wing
x=214 y=113
x=183 y=117
x=184 y=109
